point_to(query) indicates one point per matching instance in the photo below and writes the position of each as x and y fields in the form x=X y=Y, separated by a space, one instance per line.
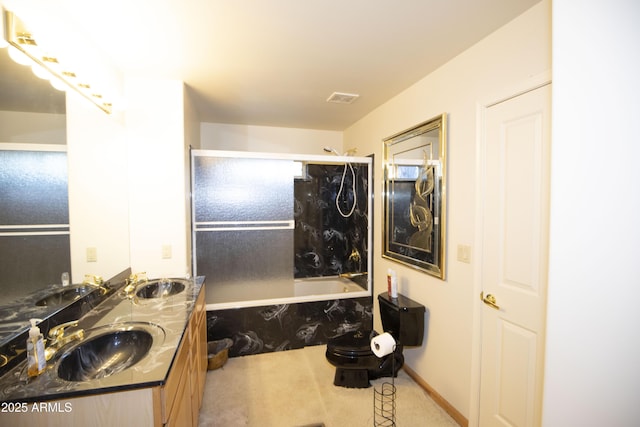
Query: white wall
x=192 y=139
x=593 y=349
x=158 y=176
x=98 y=195
x=216 y=136
x=510 y=56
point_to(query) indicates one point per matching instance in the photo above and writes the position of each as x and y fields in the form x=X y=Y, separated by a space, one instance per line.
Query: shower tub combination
x=283 y=241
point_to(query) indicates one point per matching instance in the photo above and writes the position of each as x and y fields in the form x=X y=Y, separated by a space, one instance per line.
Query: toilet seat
x=353 y=344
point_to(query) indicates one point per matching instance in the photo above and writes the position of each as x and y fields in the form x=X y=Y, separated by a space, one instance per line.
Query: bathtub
x=315 y=286
x=296 y=291
x=316 y=310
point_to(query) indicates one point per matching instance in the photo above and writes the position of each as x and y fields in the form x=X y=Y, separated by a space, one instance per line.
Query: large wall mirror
x=414 y=196
x=34 y=209
x=63 y=190
x=34 y=217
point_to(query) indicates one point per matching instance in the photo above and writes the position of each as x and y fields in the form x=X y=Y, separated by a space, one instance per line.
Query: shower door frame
x=304 y=158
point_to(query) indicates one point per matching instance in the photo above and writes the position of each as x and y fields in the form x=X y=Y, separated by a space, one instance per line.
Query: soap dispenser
x=36 y=361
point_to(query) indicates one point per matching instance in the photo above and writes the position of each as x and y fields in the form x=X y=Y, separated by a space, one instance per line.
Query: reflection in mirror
x=34 y=218
x=414 y=196
x=24 y=93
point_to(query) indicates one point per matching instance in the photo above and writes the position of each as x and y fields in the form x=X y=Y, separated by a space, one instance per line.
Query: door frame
x=482 y=105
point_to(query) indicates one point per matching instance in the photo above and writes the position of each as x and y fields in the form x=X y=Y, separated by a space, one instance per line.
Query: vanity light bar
x=18 y=37
x=25 y=38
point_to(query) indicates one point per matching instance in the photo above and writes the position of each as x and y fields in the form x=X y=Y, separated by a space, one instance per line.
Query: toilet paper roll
x=383 y=344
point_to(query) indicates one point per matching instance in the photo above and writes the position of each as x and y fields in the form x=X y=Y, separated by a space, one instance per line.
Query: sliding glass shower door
x=243 y=226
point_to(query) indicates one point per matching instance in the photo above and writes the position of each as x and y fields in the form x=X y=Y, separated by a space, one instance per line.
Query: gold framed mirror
x=414 y=196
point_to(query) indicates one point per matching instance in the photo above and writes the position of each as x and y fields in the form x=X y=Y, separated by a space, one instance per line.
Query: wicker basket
x=218 y=353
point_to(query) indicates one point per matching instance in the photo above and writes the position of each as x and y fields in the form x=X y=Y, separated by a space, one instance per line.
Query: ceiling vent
x=342 y=98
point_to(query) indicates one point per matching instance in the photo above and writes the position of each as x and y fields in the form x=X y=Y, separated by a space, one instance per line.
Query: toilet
x=351 y=353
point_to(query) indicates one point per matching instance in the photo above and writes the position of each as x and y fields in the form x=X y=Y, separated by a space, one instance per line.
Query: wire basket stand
x=384 y=399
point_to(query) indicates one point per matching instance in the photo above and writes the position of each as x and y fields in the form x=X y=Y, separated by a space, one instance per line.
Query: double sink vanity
x=136 y=354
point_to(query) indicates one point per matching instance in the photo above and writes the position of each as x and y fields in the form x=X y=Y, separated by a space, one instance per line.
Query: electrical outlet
x=92 y=255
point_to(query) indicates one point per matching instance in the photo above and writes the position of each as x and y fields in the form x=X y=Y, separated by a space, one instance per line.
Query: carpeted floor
x=295 y=389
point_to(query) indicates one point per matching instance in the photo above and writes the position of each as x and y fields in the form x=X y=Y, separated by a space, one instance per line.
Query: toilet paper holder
x=382 y=345
x=384 y=399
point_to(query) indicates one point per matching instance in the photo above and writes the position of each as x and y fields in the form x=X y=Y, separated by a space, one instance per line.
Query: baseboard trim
x=440 y=401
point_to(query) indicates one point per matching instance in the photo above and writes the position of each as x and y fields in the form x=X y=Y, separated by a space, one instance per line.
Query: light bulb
x=58 y=84
x=40 y=72
x=18 y=56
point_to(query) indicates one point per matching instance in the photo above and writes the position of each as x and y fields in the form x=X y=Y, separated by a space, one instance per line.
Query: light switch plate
x=166 y=251
x=92 y=255
x=464 y=253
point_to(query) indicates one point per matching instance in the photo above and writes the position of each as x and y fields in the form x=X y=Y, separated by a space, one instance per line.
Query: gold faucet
x=58 y=339
x=95 y=281
x=352 y=275
x=132 y=282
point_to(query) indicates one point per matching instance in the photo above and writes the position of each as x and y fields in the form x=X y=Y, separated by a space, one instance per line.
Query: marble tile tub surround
x=256 y=330
x=327 y=240
x=170 y=313
x=14 y=317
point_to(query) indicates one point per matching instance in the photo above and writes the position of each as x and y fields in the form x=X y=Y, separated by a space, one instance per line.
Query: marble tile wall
x=326 y=242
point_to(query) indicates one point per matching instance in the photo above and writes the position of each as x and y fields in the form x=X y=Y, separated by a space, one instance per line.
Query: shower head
x=331 y=150
x=350 y=152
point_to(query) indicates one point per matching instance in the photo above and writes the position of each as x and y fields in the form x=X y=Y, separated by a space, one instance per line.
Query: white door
x=514 y=263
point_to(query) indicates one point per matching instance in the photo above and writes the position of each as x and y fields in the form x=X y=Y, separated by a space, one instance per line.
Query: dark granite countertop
x=15 y=315
x=170 y=313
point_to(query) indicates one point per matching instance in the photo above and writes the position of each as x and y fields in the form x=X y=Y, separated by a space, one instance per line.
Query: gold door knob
x=490 y=300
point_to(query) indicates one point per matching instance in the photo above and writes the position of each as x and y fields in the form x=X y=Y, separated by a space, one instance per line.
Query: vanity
x=140 y=359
